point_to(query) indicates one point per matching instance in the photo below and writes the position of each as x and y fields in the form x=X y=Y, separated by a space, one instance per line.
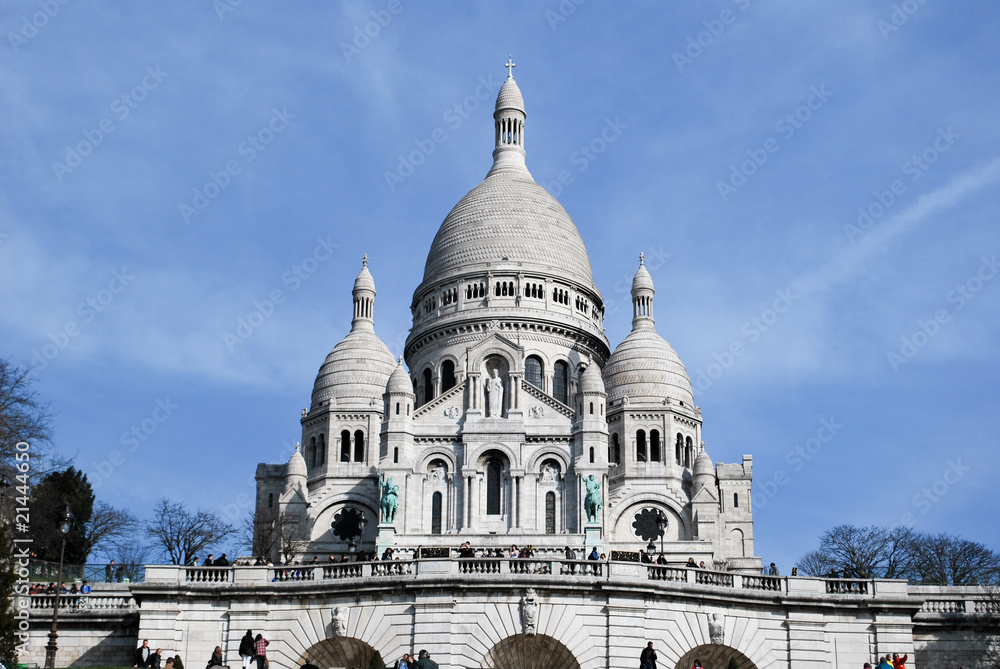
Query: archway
x=537 y=651
x=715 y=656
x=338 y=652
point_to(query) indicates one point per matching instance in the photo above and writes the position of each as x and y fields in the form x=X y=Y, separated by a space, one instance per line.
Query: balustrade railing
x=91 y=602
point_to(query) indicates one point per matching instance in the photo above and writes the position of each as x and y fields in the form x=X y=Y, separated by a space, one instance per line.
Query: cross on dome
x=642 y=258
x=364 y=260
x=510 y=65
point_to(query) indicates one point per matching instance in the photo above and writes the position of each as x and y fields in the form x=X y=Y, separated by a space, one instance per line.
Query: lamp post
x=51 y=647
x=661 y=523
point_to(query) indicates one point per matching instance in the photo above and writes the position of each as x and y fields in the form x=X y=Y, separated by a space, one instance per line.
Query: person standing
x=246 y=649
x=109 y=571
x=154 y=659
x=216 y=659
x=142 y=653
x=424 y=661
x=260 y=645
x=647 y=659
x=899 y=662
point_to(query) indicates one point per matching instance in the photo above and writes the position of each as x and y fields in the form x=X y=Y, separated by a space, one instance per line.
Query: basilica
x=509 y=420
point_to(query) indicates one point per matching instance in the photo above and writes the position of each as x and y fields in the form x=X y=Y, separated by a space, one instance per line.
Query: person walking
x=260 y=645
x=424 y=661
x=647 y=659
x=142 y=653
x=216 y=659
x=246 y=649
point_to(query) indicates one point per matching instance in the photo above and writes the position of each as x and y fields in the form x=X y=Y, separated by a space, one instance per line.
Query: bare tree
x=182 y=534
x=944 y=559
x=108 y=528
x=131 y=556
x=275 y=535
x=24 y=418
x=864 y=552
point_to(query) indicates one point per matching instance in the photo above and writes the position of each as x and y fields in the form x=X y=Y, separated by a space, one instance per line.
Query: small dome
x=642 y=280
x=356 y=370
x=591 y=380
x=510 y=96
x=645 y=368
x=703 y=465
x=364 y=280
x=399 y=381
x=296 y=464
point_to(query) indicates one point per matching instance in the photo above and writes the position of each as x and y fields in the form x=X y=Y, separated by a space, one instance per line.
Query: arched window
x=654 y=445
x=560 y=382
x=640 y=446
x=616 y=453
x=736 y=500
x=436 y=513
x=591 y=455
x=345 y=446
x=550 y=513
x=493 y=472
x=428 y=386
x=533 y=371
x=359 y=446
x=591 y=408
x=447 y=375
x=311 y=455
x=395 y=455
x=321 y=450
x=397 y=408
x=678 y=448
x=688 y=452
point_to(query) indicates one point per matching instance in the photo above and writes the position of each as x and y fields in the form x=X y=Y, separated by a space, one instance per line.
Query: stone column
x=432 y=625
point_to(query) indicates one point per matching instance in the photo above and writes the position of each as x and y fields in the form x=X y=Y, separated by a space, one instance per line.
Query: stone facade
x=510 y=400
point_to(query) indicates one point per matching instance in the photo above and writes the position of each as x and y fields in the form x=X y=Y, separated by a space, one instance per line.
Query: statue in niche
x=390 y=499
x=592 y=502
x=716 y=632
x=494 y=394
x=340 y=616
x=529 y=612
x=549 y=474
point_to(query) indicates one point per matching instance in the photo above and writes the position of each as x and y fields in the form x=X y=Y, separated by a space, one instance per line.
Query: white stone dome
x=365 y=281
x=356 y=370
x=510 y=96
x=642 y=280
x=399 y=381
x=591 y=380
x=645 y=368
x=296 y=464
x=509 y=218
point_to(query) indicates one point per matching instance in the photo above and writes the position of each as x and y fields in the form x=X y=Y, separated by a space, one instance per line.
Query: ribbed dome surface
x=642 y=280
x=703 y=465
x=355 y=371
x=509 y=216
x=296 y=465
x=510 y=96
x=399 y=382
x=645 y=368
x=591 y=381
x=364 y=280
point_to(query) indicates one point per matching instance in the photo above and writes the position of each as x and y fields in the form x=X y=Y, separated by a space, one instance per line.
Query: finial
x=364 y=260
x=401 y=360
x=510 y=65
x=297 y=446
x=642 y=259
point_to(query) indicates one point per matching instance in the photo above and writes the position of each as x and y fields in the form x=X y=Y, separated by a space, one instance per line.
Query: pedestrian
x=86 y=589
x=570 y=556
x=424 y=661
x=404 y=662
x=260 y=645
x=141 y=654
x=208 y=561
x=899 y=662
x=119 y=573
x=773 y=571
x=466 y=551
x=216 y=659
x=691 y=563
x=109 y=571
x=883 y=663
x=154 y=659
x=246 y=649
x=647 y=658
x=696 y=665
x=309 y=665
x=223 y=561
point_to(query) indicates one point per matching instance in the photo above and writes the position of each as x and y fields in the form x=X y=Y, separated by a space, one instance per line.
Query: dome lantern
x=642 y=296
x=508 y=122
x=364 y=299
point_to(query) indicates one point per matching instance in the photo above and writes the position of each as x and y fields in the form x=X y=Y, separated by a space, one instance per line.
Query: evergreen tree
x=48 y=507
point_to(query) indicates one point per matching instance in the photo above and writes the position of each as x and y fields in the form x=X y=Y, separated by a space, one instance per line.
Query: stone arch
x=623 y=515
x=536 y=651
x=338 y=652
x=475 y=457
x=426 y=457
x=536 y=459
x=714 y=655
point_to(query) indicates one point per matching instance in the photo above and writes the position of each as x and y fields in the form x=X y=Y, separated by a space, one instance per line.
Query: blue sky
x=814 y=186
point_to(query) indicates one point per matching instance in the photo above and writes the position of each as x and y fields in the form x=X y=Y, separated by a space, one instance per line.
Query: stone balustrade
x=558 y=569
x=92 y=603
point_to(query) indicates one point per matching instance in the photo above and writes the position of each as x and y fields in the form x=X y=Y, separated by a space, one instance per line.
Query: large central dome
x=509 y=218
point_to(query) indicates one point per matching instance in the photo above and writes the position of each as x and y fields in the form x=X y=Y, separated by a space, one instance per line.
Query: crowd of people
x=893 y=661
